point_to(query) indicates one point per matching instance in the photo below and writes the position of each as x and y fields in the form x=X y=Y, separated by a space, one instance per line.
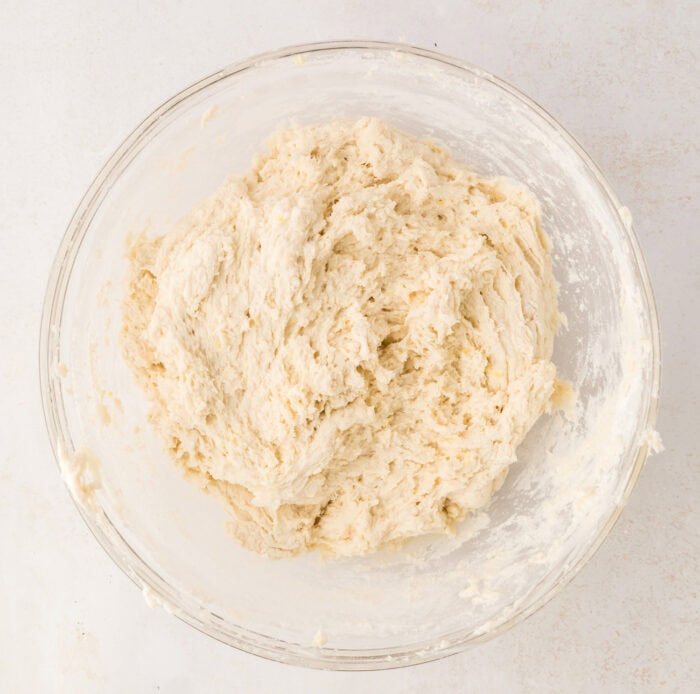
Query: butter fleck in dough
x=348 y=342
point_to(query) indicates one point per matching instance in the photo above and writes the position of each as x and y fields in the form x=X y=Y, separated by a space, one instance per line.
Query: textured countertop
x=77 y=77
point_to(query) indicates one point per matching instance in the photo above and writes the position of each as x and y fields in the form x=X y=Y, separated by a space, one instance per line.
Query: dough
x=348 y=342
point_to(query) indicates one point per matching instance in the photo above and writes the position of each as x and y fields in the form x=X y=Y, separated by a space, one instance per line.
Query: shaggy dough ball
x=348 y=342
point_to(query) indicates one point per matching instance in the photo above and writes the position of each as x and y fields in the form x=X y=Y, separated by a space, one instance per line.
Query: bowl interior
x=438 y=593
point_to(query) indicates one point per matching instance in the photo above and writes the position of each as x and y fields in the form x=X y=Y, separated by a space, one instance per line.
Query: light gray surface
x=622 y=77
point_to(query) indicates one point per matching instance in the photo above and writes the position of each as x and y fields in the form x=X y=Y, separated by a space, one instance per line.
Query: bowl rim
x=158 y=590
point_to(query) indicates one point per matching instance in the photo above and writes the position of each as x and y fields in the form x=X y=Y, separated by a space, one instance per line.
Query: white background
x=76 y=77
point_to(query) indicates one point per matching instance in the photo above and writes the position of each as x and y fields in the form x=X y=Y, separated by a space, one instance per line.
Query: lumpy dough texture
x=348 y=342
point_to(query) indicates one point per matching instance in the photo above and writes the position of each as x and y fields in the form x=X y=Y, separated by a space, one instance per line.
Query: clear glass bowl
x=437 y=595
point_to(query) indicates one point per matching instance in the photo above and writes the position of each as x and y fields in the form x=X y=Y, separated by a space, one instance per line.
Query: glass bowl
x=437 y=595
